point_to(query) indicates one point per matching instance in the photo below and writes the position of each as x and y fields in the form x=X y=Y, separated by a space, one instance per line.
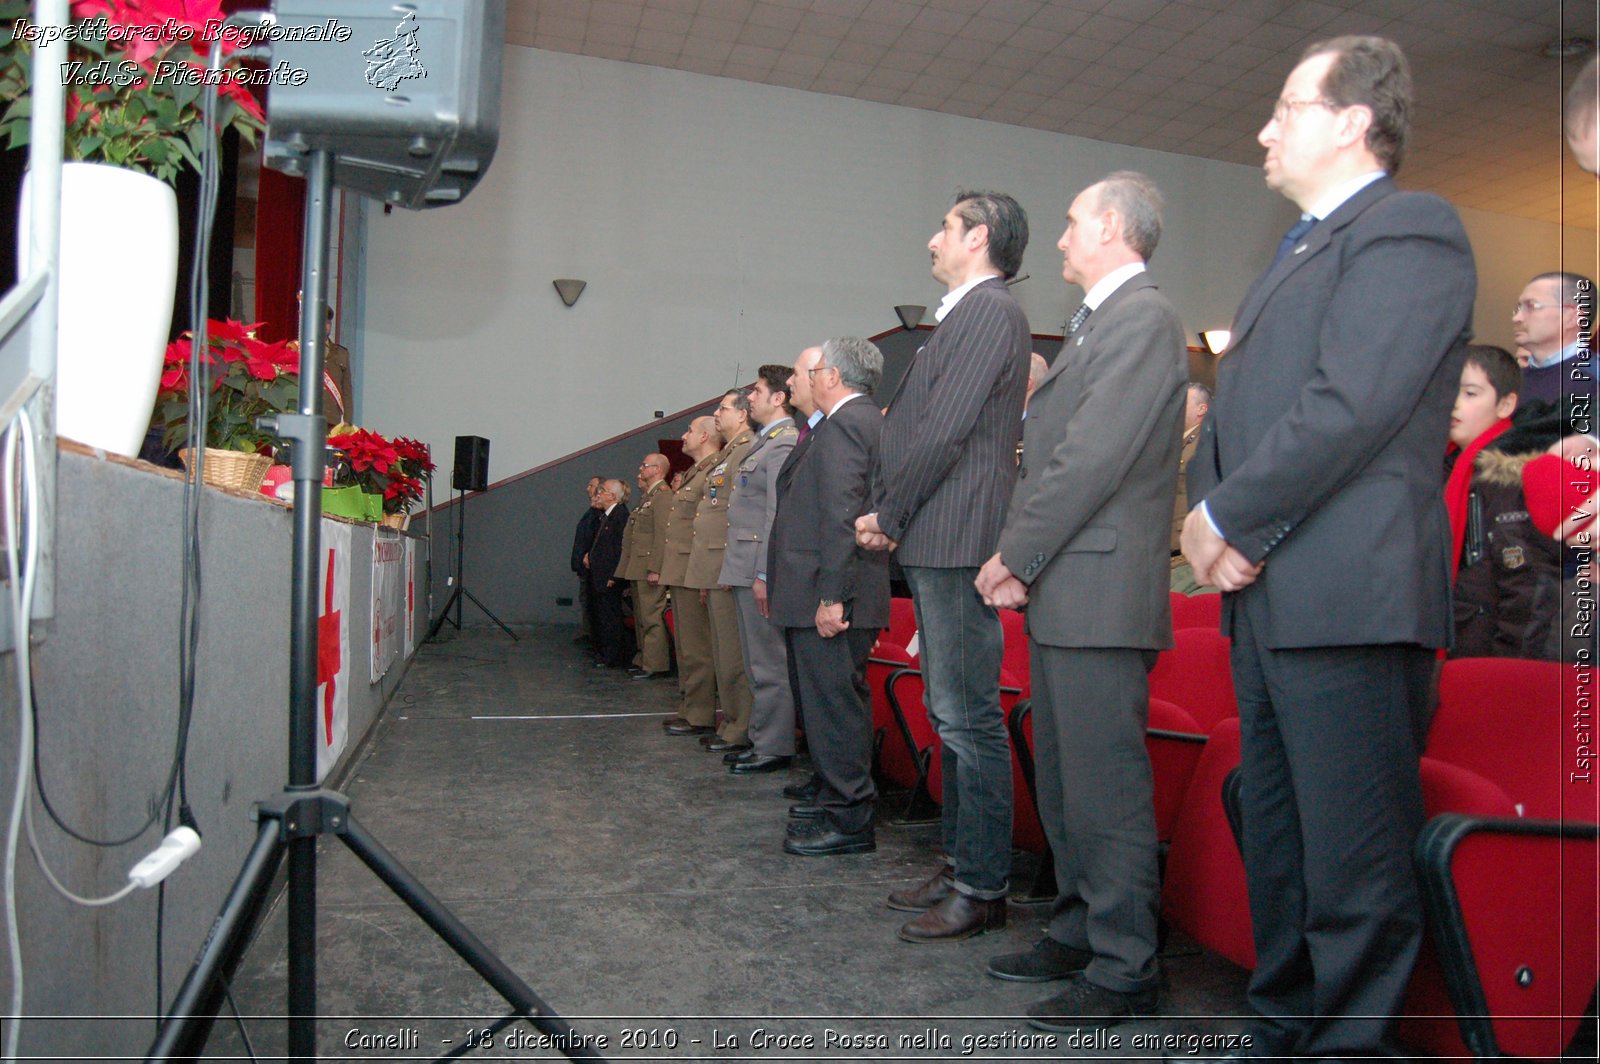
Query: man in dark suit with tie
x=612 y=645
x=1086 y=547
x=943 y=479
x=1317 y=509
x=831 y=597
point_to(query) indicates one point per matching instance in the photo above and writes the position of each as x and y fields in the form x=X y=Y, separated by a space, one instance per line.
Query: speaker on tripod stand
x=471 y=473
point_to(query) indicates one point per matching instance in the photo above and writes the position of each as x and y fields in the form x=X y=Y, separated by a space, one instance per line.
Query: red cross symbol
x=328 y=652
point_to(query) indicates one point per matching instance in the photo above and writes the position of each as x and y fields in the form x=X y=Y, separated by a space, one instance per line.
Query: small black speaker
x=472 y=464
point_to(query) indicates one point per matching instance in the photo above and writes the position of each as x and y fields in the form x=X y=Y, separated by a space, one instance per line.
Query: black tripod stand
x=292 y=821
x=460 y=587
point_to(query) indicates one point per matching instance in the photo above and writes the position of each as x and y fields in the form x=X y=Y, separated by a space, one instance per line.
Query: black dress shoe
x=926 y=895
x=720 y=745
x=805 y=811
x=734 y=757
x=1083 y=1001
x=746 y=765
x=685 y=728
x=957 y=917
x=1046 y=961
x=707 y=740
x=803 y=792
x=640 y=674
x=831 y=843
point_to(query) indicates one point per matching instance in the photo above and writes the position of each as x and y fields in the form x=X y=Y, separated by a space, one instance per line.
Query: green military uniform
x=691 y=622
x=705 y=568
x=642 y=544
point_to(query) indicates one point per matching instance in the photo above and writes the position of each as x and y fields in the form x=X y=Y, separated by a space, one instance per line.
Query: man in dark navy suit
x=1317 y=509
x=612 y=644
x=831 y=596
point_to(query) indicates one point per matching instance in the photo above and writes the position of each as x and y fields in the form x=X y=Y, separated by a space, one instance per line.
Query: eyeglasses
x=816 y=369
x=1528 y=306
x=1283 y=108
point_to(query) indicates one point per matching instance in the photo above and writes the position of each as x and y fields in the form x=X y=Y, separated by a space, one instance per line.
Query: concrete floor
x=642 y=892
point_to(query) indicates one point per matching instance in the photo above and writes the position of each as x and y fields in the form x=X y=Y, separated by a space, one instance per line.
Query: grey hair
x=859 y=362
x=741 y=401
x=1138 y=203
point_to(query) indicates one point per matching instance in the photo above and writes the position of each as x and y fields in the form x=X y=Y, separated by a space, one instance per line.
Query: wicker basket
x=400 y=521
x=236 y=470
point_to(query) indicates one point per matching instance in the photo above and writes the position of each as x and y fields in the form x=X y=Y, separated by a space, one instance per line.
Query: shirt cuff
x=1205 y=511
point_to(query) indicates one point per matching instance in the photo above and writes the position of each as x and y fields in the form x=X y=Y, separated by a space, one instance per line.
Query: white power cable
x=20 y=586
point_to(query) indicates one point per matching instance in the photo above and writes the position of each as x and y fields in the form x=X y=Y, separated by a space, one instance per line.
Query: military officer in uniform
x=705 y=571
x=642 y=543
x=691 y=623
x=750 y=513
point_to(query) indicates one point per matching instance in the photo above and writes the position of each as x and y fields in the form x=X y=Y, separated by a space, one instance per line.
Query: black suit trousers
x=832 y=675
x=1331 y=803
x=612 y=643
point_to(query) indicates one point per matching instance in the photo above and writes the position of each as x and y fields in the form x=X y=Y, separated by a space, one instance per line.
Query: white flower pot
x=119 y=268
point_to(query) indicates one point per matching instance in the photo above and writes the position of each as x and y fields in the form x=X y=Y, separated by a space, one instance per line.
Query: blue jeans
x=961 y=647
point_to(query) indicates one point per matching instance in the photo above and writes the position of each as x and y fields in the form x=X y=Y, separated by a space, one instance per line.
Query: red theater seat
x=1196 y=611
x=1511 y=894
x=1196 y=674
x=1174 y=741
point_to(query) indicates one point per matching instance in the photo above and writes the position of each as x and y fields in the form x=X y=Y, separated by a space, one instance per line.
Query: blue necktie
x=1291 y=238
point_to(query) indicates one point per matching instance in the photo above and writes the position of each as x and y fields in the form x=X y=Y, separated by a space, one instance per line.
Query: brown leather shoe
x=958 y=916
x=926 y=895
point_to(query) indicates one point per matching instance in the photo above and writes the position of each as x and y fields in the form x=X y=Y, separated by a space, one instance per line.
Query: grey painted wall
x=519 y=532
x=106 y=681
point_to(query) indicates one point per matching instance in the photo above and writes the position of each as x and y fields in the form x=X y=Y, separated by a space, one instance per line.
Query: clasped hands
x=869 y=534
x=1215 y=562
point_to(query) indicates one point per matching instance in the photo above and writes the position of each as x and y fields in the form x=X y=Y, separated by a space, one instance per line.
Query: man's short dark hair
x=1499 y=365
x=1007 y=222
x=777 y=380
x=859 y=362
x=741 y=401
x=1137 y=202
x=1371 y=72
x=1583 y=98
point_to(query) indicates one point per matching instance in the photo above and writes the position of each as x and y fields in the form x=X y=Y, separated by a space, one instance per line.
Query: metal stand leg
x=293 y=820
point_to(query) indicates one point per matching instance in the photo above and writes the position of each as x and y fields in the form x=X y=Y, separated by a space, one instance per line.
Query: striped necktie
x=1078 y=319
x=1291 y=238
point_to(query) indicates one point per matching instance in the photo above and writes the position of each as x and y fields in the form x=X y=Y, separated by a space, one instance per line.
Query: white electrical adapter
x=161 y=862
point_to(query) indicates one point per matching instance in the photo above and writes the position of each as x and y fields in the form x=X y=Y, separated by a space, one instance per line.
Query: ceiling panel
x=1192 y=76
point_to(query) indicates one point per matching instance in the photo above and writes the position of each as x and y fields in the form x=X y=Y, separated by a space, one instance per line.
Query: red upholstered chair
x=1196 y=611
x=1014 y=670
x=1174 y=741
x=904 y=688
x=1204 y=892
x=902 y=622
x=893 y=762
x=1196 y=674
x=1511 y=899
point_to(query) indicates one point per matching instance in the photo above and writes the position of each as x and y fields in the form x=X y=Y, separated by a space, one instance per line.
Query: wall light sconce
x=910 y=314
x=569 y=289
x=1215 y=341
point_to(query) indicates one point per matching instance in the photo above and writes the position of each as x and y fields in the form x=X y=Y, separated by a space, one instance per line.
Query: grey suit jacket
x=754 y=503
x=1321 y=451
x=812 y=554
x=1091 y=518
x=950 y=440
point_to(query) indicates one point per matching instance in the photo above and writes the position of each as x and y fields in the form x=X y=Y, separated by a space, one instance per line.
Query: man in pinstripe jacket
x=944 y=475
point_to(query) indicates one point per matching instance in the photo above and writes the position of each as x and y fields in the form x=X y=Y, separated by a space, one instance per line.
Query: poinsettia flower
x=235 y=331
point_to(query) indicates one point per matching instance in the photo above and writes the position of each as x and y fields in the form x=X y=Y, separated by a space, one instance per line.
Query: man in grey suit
x=1086 y=547
x=831 y=597
x=944 y=475
x=1319 y=514
x=751 y=509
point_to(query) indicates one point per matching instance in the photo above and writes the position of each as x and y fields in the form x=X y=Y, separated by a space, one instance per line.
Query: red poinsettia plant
x=133 y=82
x=394 y=469
x=249 y=378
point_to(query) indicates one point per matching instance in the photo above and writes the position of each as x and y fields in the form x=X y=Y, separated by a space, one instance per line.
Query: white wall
x=722 y=224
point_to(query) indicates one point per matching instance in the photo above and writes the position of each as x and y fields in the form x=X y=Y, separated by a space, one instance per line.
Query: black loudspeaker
x=405 y=96
x=472 y=464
